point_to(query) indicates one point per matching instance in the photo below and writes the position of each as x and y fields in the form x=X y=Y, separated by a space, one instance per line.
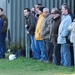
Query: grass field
x=28 y=66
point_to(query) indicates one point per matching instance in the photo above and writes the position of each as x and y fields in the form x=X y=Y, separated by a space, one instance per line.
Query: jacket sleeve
x=65 y=31
x=32 y=24
x=26 y=23
x=5 y=25
x=47 y=28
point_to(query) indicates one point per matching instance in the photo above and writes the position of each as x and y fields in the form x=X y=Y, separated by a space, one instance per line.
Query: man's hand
x=27 y=32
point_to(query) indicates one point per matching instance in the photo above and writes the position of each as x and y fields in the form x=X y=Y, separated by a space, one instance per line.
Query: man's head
x=1 y=11
x=65 y=9
x=40 y=10
x=33 y=9
x=55 y=13
x=39 y=5
x=36 y=8
x=46 y=11
x=26 y=12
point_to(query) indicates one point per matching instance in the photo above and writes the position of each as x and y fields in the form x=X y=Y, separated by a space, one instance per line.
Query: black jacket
x=31 y=23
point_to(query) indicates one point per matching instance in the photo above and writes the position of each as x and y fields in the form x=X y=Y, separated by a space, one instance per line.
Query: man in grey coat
x=46 y=31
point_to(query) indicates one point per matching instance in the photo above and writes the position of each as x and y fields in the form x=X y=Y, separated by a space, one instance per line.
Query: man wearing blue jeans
x=3 y=30
x=30 y=29
x=39 y=41
x=62 y=33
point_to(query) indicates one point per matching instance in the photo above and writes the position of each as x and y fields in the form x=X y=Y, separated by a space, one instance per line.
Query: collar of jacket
x=28 y=15
x=1 y=15
x=57 y=18
x=46 y=16
x=40 y=15
x=65 y=14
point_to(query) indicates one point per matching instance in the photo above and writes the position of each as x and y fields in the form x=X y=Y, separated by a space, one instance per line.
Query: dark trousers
x=72 y=55
x=48 y=47
x=56 y=52
x=2 y=45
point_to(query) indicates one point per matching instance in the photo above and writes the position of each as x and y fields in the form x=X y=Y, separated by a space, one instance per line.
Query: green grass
x=28 y=66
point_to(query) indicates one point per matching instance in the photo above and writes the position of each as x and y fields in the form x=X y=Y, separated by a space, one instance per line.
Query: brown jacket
x=4 y=23
x=55 y=29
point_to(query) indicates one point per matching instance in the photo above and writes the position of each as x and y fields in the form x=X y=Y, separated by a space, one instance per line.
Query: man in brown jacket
x=3 y=30
x=56 y=50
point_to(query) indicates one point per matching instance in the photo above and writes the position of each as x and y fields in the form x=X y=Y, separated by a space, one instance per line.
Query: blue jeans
x=2 y=45
x=2 y=51
x=65 y=55
x=33 y=48
x=40 y=49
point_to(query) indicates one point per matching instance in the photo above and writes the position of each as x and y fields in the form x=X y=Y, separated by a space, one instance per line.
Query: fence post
x=27 y=44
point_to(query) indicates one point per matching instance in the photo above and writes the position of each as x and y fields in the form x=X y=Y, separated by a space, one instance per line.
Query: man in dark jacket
x=56 y=50
x=30 y=26
x=3 y=30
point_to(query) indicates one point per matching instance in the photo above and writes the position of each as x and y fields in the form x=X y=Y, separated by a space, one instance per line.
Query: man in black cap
x=39 y=40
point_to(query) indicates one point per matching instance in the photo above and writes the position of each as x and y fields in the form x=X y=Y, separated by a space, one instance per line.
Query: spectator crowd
x=50 y=33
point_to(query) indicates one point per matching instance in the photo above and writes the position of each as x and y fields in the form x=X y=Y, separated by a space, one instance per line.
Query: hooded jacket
x=38 y=27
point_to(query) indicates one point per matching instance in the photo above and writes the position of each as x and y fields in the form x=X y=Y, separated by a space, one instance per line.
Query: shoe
x=46 y=61
x=39 y=60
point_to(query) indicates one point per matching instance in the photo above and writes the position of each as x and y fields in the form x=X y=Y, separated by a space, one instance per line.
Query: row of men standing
x=48 y=33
